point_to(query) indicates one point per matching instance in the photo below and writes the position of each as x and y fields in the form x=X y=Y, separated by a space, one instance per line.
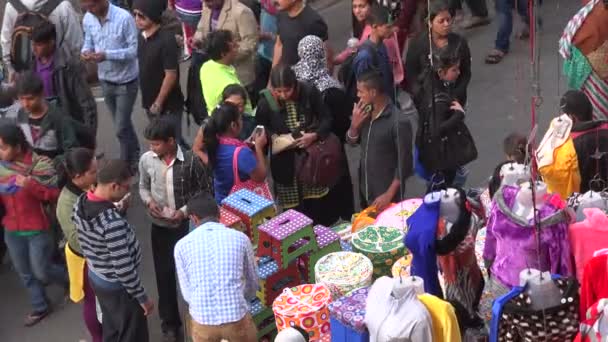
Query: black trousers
x=123 y=317
x=163 y=243
x=478 y=8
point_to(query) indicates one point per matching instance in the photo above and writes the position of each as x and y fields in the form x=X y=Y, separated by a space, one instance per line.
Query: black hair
x=30 y=84
x=496 y=180
x=44 y=32
x=379 y=15
x=445 y=57
x=234 y=89
x=204 y=206
x=577 y=104
x=160 y=130
x=219 y=122
x=514 y=146
x=13 y=136
x=358 y=27
x=113 y=171
x=78 y=160
x=283 y=75
x=438 y=6
x=217 y=44
x=373 y=80
x=7 y=96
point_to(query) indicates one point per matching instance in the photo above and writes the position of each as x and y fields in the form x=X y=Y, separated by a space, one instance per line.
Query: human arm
x=181 y=267
x=278 y=51
x=460 y=88
x=382 y=201
x=198 y=146
x=145 y=184
x=129 y=52
x=248 y=31
x=259 y=173
x=454 y=114
x=170 y=56
x=41 y=192
x=360 y=116
x=250 y=270
x=78 y=86
x=6 y=35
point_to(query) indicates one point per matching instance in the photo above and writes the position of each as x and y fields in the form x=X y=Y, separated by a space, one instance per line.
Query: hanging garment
x=589 y=329
x=497 y=308
x=461 y=274
x=511 y=243
x=587 y=237
x=420 y=240
x=445 y=324
x=594 y=285
x=519 y=322
x=396 y=319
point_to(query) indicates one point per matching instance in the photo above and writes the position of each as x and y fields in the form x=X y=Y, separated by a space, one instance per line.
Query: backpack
x=21 y=43
x=346 y=74
x=195 y=101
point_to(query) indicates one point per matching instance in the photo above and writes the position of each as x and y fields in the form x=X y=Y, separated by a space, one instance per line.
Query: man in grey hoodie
x=65 y=18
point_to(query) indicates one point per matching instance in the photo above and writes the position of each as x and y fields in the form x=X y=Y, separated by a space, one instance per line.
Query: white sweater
x=389 y=319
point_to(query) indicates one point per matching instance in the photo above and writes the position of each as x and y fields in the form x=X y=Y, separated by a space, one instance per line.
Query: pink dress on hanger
x=392 y=47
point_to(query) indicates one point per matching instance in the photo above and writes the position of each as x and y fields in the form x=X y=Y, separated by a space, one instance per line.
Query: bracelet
x=351 y=137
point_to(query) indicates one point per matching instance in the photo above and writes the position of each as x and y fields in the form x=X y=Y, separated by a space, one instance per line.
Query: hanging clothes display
x=519 y=322
x=445 y=324
x=587 y=237
x=420 y=240
x=594 y=285
x=590 y=325
x=456 y=255
x=511 y=240
x=396 y=319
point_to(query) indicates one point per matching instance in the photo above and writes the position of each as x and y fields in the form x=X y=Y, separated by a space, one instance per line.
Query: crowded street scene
x=303 y=170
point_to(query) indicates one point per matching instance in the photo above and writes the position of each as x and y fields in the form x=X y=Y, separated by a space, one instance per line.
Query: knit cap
x=152 y=9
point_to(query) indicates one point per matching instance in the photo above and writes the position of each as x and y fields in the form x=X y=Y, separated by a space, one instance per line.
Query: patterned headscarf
x=312 y=66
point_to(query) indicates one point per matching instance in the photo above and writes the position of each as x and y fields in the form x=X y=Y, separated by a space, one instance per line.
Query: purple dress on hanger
x=511 y=240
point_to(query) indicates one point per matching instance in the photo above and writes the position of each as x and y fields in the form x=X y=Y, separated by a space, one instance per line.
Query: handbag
x=260 y=188
x=320 y=164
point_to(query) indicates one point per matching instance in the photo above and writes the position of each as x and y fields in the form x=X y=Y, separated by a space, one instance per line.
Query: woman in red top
x=27 y=182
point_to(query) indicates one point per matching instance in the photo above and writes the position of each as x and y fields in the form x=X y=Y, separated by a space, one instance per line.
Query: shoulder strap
x=272 y=103
x=235 y=165
x=49 y=7
x=368 y=45
x=18 y=6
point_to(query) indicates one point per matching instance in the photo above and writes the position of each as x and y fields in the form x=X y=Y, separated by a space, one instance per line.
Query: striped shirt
x=109 y=245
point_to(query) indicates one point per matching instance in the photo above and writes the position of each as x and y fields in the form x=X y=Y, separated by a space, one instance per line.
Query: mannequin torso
x=450 y=207
x=513 y=173
x=541 y=289
x=523 y=206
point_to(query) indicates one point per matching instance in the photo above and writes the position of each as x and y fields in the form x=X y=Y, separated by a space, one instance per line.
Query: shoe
x=35 y=317
x=170 y=335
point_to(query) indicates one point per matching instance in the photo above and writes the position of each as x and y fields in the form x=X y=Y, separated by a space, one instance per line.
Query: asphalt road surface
x=499 y=103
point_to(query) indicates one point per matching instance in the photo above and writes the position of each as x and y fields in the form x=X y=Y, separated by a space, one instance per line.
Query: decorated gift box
x=397 y=215
x=305 y=306
x=274 y=279
x=382 y=245
x=343 y=272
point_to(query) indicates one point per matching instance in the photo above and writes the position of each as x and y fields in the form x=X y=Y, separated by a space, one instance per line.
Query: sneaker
x=35 y=317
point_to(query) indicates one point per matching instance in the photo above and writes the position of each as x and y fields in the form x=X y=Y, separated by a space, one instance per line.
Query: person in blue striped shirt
x=110 y=40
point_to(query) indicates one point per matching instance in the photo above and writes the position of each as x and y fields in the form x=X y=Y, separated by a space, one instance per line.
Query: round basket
x=343 y=272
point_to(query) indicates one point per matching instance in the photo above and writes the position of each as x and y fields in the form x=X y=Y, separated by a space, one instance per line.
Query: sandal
x=495 y=57
x=35 y=317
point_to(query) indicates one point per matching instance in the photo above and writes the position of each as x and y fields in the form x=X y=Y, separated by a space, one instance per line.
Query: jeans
x=163 y=244
x=478 y=8
x=504 y=13
x=120 y=100
x=31 y=257
x=176 y=118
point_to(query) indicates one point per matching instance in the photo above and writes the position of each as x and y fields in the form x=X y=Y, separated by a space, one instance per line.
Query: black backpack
x=195 y=101
x=346 y=74
x=21 y=46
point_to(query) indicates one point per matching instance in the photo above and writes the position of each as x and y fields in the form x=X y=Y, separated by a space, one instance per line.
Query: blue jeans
x=504 y=13
x=120 y=100
x=31 y=257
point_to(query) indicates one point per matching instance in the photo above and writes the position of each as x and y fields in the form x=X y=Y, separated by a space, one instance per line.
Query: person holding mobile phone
x=385 y=137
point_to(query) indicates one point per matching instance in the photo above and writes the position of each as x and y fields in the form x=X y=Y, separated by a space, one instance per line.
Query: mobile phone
x=259 y=129
x=368 y=108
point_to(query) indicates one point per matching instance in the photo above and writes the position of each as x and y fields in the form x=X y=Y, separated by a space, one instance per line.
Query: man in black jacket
x=64 y=77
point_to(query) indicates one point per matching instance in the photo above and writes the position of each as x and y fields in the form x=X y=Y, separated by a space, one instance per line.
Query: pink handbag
x=260 y=188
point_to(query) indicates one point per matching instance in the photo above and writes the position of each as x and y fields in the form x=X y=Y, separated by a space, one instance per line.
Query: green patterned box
x=382 y=245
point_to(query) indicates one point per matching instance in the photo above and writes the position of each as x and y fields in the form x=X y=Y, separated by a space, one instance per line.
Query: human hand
x=155 y=109
x=456 y=106
x=86 y=56
x=155 y=210
x=148 y=307
x=306 y=140
x=260 y=139
x=178 y=216
x=360 y=115
x=382 y=201
x=21 y=180
x=98 y=57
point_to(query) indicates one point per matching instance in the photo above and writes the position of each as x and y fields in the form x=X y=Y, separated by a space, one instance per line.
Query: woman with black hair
x=297 y=109
x=237 y=95
x=443 y=141
x=81 y=167
x=223 y=149
x=440 y=18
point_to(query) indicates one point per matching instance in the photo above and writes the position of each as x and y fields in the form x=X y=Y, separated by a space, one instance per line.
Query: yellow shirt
x=563 y=176
x=214 y=78
x=445 y=325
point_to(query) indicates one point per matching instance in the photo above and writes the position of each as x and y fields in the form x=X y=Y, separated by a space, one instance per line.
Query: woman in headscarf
x=312 y=68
